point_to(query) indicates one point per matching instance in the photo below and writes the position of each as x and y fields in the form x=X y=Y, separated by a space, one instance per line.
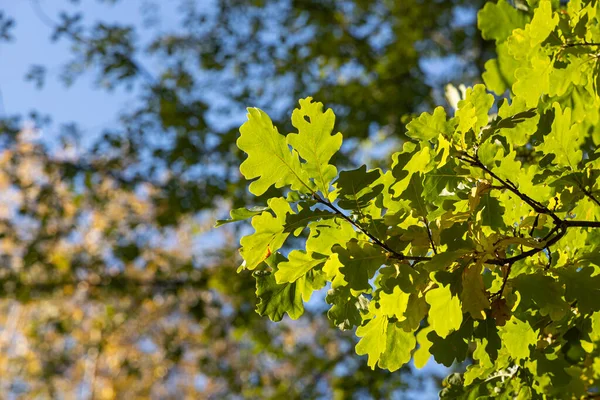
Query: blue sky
x=83 y=102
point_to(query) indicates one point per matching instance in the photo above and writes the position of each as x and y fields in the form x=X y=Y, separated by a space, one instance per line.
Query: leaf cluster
x=480 y=239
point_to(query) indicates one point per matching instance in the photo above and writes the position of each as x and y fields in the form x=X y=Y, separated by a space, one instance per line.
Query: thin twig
x=392 y=253
x=552 y=232
x=556 y=233
x=511 y=260
x=565 y=45
x=504 y=281
x=430 y=235
x=583 y=224
x=590 y=195
x=549 y=258
x=537 y=206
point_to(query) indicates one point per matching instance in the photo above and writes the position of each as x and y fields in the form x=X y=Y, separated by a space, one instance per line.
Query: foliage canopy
x=110 y=284
x=480 y=239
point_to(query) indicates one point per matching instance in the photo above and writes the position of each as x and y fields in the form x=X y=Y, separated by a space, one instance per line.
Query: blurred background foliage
x=112 y=284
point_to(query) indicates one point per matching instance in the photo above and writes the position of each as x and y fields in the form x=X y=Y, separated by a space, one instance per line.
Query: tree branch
x=556 y=233
x=559 y=230
x=566 y=45
x=529 y=253
x=392 y=253
x=590 y=195
x=582 y=224
x=429 y=235
x=535 y=205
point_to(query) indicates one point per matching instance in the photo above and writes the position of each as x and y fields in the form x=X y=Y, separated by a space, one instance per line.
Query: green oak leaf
x=455 y=238
x=582 y=285
x=409 y=162
x=524 y=178
x=399 y=346
x=589 y=211
x=517 y=337
x=440 y=185
x=275 y=299
x=443 y=260
x=563 y=141
x=269 y=157
x=410 y=279
x=416 y=310
x=298 y=264
x=325 y=234
x=314 y=141
x=542 y=24
x=269 y=234
x=523 y=42
x=493 y=77
x=508 y=166
x=549 y=370
x=332 y=271
x=543 y=292
x=595 y=332
x=532 y=81
x=414 y=194
x=473 y=111
x=562 y=79
x=454 y=347
x=487 y=331
x=484 y=365
x=450 y=278
x=394 y=304
x=346 y=310
x=422 y=354
x=518 y=121
x=527 y=184
x=497 y=21
x=488 y=151
x=354 y=189
x=304 y=217
x=429 y=126
x=373 y=340
x=499 y=74
x=311 y=281
x=241 y=214
x=359 y=263
x=445 y=313
x=491 y=211
x=474 y=297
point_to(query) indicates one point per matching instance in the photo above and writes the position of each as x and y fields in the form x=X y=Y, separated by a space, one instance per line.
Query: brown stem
x=392 y=253
x=430 y=235
x=590 y=195
x=511 y=260
x=537 y=206
x=565 y=45
x=559 y=230
x=582 y=224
